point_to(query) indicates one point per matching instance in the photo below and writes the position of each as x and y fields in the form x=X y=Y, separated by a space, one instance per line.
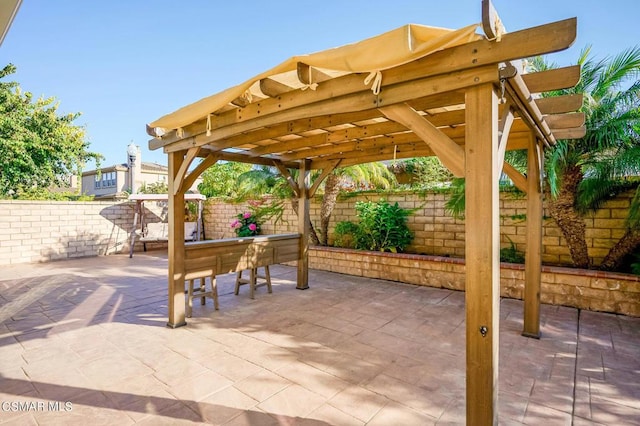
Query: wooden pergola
x=463 y=97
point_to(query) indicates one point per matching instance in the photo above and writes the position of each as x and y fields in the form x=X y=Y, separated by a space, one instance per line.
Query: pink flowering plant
x=246 y=224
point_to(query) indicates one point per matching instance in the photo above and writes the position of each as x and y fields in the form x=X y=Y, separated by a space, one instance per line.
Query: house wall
x=437 y=233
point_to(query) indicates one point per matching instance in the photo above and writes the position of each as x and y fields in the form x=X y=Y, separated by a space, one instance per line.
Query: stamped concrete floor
x=347 y=351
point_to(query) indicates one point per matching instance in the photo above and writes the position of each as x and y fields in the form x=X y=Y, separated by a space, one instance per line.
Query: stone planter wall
x=584 y=289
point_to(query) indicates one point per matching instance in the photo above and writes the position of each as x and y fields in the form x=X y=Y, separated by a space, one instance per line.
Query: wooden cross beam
x=450 y=153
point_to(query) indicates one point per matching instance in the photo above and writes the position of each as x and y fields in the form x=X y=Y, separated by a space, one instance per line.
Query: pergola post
x=303 y=224
x=533 y=259
x=482 y=254
x=176 y=243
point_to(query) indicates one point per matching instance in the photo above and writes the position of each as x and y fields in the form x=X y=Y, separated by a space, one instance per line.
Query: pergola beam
x=192 y=153
x=560 y=104
x=482 y=277
x=450 y=153
x=303 y=225
x=207 y=162
x=176 y=276
x=359 y=98
x=533 y=255
x=285 y=173
x=518 y=179
x=326 y=172
x=273 y=88
x=309 y=75
x=555 y=79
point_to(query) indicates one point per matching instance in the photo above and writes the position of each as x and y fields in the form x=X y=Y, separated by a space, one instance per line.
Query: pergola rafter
x=464 y=98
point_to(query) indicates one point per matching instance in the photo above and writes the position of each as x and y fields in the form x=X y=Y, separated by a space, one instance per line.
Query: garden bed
x=579 y=288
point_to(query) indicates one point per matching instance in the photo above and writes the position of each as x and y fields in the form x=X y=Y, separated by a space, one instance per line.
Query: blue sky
x=124 y=63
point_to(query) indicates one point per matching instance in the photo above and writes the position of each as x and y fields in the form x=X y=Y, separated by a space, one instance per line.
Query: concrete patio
x=347 y=351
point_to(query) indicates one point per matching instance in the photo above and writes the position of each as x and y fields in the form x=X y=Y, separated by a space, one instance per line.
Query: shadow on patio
x=347 y=351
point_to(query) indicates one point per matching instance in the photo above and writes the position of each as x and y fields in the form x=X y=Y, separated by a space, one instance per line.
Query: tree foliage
x=424 y=172
x=221 y=179
x=582 y=174
x=39 y=149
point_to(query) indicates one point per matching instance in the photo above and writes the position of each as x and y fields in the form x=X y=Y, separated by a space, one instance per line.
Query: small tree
x=221 y=179
x=39 y=149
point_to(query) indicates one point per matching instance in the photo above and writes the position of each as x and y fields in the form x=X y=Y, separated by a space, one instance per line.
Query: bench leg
x=214 y=290
x=190 y=300
x=267 y=277
x=252 y=283
x=202 y=291
x=203 y=294
x=238 y=279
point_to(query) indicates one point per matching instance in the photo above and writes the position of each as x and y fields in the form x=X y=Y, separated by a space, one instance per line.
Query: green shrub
x=382 y=227
x=511 y=254
x=344 y=234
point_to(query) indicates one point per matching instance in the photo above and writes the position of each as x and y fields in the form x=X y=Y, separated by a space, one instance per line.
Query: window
x=106 y=180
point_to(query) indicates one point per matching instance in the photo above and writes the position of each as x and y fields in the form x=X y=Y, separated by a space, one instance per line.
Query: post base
x=531 y=335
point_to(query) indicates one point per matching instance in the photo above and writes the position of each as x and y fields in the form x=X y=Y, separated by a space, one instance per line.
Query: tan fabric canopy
x=388 y=50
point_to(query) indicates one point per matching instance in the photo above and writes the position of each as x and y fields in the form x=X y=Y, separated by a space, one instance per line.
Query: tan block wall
x=437 y=233
x=591 y=290
x=42 y=231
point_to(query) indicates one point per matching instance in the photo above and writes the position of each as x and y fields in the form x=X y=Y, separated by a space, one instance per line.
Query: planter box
x=579 y=288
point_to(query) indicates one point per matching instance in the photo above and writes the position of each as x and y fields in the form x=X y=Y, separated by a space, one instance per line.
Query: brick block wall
x=437 y=233
x=42 y=231
x=591 y=290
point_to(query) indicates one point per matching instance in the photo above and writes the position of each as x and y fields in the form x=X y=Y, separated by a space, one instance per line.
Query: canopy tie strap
x=376 y=77
x=499 y=28
x=248 y=96
x=208 y=124
x=311 y=85
x=180 y=132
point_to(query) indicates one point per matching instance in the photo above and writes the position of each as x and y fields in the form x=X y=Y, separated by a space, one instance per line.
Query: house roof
x=146 y=167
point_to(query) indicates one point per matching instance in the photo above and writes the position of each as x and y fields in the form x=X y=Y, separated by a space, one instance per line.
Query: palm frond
x=620 y=68
x=633 y=220
x=455 y=205
x=594 y=192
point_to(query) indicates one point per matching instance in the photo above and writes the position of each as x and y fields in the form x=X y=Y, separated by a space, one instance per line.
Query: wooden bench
x=216 y=257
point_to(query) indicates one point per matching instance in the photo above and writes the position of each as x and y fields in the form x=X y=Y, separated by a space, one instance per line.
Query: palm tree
x=375 y=175
x=583 y=173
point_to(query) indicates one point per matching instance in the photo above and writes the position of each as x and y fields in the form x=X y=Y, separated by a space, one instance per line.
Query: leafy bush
x=344 y=234
x=46 y=194
x=511 y=254
x=382 y=227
